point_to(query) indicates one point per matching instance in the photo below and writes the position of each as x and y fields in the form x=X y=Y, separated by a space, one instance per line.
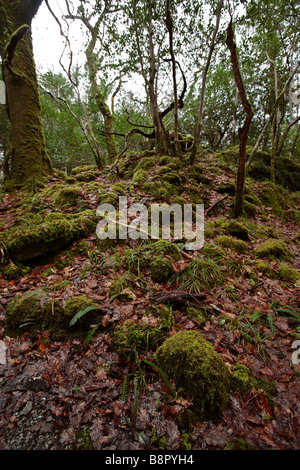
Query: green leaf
x=81 y=313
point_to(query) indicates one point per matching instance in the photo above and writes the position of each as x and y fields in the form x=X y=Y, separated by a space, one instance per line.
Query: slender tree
x=243 y=132
x=26 y=157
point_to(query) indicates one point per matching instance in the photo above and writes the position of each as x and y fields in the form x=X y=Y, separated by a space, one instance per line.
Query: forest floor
x=66 y=394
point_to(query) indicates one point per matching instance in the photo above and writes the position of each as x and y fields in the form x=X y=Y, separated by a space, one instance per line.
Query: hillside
x=113 y=379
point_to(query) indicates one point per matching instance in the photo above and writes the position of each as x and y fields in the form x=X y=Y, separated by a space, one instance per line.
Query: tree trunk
x=169 y=24
x=26 y=158
x=243 y=132
x=200 y=116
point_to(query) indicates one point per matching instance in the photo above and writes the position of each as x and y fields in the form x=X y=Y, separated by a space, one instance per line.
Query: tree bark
x=26 y=158
x=169 y=24
x=200 y=116
x=243 y=132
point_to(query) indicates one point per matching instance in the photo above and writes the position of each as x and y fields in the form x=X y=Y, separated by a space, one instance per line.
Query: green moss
x=164 y=313
x=119 y=289
x=153 y=188
x=14 y=271
x=68 y=196
x=225 y=188
x=239 y=444
x=209 y=230
x=31 y=240
x=263 y=267
x=194 y=194
x=274 y=249
x=195 y=367
x=276 y=198
x=250 y=209
x=140 y=176
x=161 y=269
x=83 y=440
x=85 y=173
x=120 y=188
x=197 y=314
x=73 y=306
x=238 y=230
x=24 y=312
x=210 y=250
x=242 y=379
x=288 y=273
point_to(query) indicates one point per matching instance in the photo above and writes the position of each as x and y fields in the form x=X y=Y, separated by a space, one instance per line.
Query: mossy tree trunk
x=26 y=158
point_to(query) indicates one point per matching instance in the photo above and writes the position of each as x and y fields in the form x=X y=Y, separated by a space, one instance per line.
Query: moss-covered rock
x=242 y=379
x=238 y=230
x=31 y=240
x=276 y=198
x=288 y=273
x=68 y=196
x=25 y=311
x=35 y=311
x=14 y=271
x=274 y=249
x=264 y=267
x=229 y=242
x=77 y=304
x=210 y=250
x=191 y=361
x=140 y=176
x=119 y=289
x=85 y=173
x=161 y=269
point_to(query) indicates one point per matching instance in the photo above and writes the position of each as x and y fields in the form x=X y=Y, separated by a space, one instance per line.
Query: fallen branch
x=215 y=204
x=177 y=297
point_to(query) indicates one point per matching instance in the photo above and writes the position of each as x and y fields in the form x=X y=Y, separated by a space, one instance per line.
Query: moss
x=242 y=379
x=209 y=229
x=238 y=230
x=263 y=267
x=120 y=188
x=83 y=440
x=190 y=360
x=210 y=250
x=197 y=314
x=24 y=312
x=164 y=160
x=194 y=194
x=153 y=188
x=276 y=198
x=164 y=313
x=250 y=209
x=288 y=273
x=14 y=271
x=240 y=246
x=32 y=240
x=127 y=164
x=68 y=196
x=225 y=188
x=119 y=289
x=173 y=177
x=274 y=249
x=74 y=305
x=238 y=444
x=64 y=260
x=140 y=176
x=180 y=200
x=85 y=173
x=161 y=269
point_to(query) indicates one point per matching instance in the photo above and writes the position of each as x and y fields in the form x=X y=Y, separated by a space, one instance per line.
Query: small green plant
x=199 y=275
